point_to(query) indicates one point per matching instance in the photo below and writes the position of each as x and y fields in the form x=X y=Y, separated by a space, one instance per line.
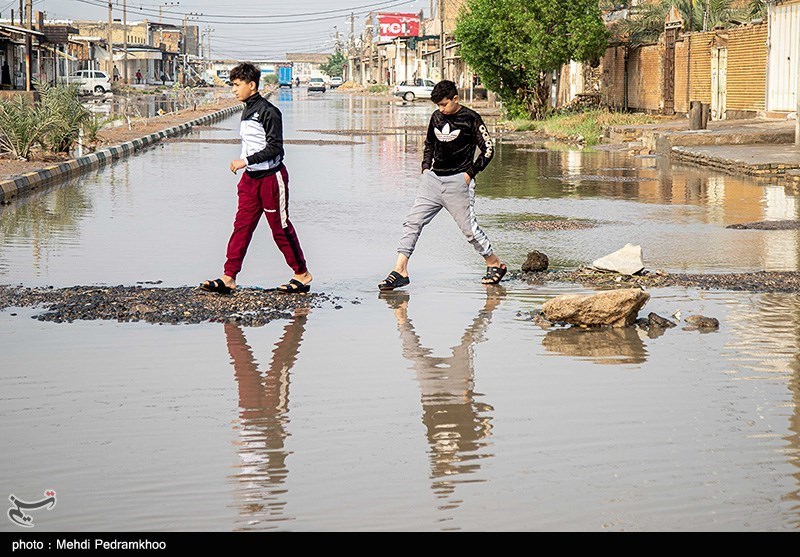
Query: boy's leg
x=427 y=205
x=275 y=195
x=460 y=203
x=245 y=223
x=459 y=200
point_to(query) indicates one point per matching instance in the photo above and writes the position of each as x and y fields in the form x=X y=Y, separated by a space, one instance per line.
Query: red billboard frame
x=393 y=25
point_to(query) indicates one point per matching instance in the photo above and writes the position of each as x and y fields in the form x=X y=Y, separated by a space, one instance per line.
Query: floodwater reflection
x=457 y=424
x=601 y=346
x=263 y=421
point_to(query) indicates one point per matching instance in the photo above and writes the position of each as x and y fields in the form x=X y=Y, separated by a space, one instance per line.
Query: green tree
x=515 y=45
x=335 y=64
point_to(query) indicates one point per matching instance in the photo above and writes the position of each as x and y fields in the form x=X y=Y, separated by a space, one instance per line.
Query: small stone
x=540 y=320
x=655 y=320
x=625 y=261
x=702 y=322
x=536 y=262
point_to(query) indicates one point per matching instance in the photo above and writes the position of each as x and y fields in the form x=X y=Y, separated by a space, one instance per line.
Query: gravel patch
x=182 y=305
x=762 y=281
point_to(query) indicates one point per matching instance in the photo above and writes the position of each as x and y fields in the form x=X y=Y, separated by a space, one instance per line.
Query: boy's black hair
x=246 y=72
x=445 y=89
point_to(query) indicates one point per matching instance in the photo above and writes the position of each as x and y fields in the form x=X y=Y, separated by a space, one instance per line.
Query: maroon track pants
x=269 y=196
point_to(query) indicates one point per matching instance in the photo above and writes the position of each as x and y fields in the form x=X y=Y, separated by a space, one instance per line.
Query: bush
x=378 y=89
x=68 y=116
x=22 y=125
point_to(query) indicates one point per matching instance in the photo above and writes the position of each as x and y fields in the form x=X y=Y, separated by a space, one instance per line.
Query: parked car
x=91 y=81
x=316 y=84
x=335 y=81
x=417 y=88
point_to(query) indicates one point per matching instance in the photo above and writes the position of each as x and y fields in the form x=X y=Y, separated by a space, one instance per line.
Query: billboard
x=395 y=25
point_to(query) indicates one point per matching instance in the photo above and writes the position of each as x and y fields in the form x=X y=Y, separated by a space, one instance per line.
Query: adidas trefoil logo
x=445 y=135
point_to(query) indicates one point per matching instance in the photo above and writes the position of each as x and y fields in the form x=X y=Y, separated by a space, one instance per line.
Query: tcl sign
x=398 y=25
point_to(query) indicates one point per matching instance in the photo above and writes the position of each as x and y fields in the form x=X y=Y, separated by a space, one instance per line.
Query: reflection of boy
x=447 y=390
x=263 y=188
x=449 y=167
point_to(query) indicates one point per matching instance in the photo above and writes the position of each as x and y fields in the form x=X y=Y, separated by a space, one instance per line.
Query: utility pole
x=207 y=56
x=125 y=39
x=190 y=15
x=351 y=47
x=165 y=4
x=28 y=44
x=110 y=41
x=441 y=39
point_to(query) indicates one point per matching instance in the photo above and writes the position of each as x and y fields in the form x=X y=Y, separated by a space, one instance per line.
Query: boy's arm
x=427 y=153
x=273 y=130
x=485 y=145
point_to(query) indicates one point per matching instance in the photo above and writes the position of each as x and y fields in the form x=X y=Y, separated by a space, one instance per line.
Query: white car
x=316 y=84
x=335 y=81
x=416 y=89
x=91 y=81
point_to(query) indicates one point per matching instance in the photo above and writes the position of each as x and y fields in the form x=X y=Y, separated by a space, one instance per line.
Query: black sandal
x=393 y=280
x=217 y=286
x=294 y=286
x=494 y=274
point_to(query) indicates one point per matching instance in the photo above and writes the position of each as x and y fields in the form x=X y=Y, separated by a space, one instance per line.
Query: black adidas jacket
x=451 y=142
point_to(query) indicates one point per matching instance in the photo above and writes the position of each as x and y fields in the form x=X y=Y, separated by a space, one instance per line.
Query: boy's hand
x=467 y=178
x=237 y=164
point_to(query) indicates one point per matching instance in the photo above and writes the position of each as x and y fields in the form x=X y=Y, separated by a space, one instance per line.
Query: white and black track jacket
x=262 y=137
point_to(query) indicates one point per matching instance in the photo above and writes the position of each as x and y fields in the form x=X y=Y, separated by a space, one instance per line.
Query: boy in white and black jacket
x=263 y=188
x=449 y=167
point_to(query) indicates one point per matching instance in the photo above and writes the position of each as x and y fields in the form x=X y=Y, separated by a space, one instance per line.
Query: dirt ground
x=10 y=168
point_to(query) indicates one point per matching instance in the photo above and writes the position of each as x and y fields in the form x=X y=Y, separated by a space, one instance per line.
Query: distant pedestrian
x=297 y=81
x=263 y=188
x=6 y=79
x=163 y=78
x=449 y=167
x=138 y=76
x=116 y=73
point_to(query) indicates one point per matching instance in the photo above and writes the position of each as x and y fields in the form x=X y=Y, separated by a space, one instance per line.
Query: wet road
x=437 y=408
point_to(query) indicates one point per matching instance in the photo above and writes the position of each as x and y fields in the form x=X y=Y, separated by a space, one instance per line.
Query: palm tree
x=646 y=21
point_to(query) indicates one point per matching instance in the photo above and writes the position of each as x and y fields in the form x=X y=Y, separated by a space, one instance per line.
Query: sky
x=240 y=29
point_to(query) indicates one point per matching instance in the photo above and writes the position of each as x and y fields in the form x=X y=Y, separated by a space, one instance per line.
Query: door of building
x=719 y=79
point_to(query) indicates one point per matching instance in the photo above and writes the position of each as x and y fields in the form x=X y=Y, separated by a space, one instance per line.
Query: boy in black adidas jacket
x=449 y=167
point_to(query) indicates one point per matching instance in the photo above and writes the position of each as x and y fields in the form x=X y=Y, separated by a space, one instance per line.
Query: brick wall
x=644 y=78
x=747 y=69
x=612 y=77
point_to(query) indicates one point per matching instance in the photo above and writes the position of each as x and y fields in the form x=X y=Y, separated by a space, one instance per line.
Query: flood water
x=439 y=407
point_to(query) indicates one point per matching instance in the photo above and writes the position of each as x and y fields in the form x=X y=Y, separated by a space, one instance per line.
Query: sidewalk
x=755 y=147
x=20 y=177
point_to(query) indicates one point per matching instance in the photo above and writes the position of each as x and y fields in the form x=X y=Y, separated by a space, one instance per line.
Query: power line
x=254 y=19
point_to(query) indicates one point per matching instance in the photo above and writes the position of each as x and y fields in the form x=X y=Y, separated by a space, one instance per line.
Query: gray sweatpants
x=452 y=193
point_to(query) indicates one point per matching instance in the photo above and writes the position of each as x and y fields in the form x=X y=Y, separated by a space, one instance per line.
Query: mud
x=768 y=225
x=763 y=281
x=184 y=305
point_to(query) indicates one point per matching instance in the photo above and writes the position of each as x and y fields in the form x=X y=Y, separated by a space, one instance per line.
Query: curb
x=53 y=174
x=735 y=167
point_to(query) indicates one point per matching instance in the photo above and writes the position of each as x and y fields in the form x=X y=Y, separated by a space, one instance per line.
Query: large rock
x=625 y=261
x=536 y=261
x=615 y=308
